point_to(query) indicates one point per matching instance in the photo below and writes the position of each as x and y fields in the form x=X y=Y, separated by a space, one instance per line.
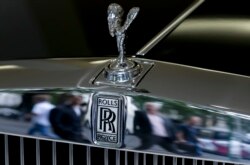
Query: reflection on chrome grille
x=20 y=150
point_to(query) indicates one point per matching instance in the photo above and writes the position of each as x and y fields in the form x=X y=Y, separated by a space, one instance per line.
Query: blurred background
x=216 y=36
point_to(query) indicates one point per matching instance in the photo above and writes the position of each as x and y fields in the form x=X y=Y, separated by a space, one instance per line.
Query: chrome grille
x=26 y=151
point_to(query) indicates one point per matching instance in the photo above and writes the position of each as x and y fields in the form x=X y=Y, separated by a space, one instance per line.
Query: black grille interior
x=26 y=151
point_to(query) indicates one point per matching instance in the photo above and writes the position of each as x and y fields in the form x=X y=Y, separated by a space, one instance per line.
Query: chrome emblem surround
x=108 y=114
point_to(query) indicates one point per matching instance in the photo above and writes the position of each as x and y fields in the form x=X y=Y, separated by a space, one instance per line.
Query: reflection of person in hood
x=66 y=118
x=40 y=115
x=187 y=135
x=154 y=128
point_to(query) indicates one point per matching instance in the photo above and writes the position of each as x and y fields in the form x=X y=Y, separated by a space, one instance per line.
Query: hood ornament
x=121 y=72
x=121 y=69
x=115 y=13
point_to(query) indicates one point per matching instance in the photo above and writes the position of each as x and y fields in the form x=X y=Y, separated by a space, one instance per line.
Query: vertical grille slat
x=88 y=154
x=126 y=158
x=21 y=151
x=144 y=159
x=54 y=153
x=38 y=152
x=194 y=162
x=163 y=160
x=136 y=158
x=183 y=161
x=155 y=160
x=33 y=151
x=6 y=149
x=174 y=161
x=117 y=157
x=106 y=157
x=71 y=154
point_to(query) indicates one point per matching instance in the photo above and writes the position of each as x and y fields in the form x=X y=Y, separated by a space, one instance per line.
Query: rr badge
x=108 y=119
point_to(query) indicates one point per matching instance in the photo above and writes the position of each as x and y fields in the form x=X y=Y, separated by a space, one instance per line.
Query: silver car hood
x=166 y=80
x=221 y=100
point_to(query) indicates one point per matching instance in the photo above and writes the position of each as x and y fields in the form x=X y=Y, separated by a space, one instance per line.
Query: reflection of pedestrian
x=153 y=128
x=187 y=136
x=40 y=115
x=66 y=118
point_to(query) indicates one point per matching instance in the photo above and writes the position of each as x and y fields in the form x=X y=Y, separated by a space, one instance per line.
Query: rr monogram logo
x=107 y=118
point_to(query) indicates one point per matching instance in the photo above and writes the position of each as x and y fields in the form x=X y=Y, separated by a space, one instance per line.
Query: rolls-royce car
x=124 y=82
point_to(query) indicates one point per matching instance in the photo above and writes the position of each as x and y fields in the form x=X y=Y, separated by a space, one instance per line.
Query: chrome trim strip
x=169 y=28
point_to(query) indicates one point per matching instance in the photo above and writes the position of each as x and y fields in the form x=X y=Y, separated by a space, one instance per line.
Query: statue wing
x=133 y=12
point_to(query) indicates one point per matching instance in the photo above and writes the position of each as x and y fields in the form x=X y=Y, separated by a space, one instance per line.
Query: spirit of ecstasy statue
x=115 y=13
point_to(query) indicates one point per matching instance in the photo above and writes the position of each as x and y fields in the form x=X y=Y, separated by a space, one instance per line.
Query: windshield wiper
x=169 y=28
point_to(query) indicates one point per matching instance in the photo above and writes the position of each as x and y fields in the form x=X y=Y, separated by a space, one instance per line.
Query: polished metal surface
x=166 y=80
x=169 y=28
x=209 y=122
